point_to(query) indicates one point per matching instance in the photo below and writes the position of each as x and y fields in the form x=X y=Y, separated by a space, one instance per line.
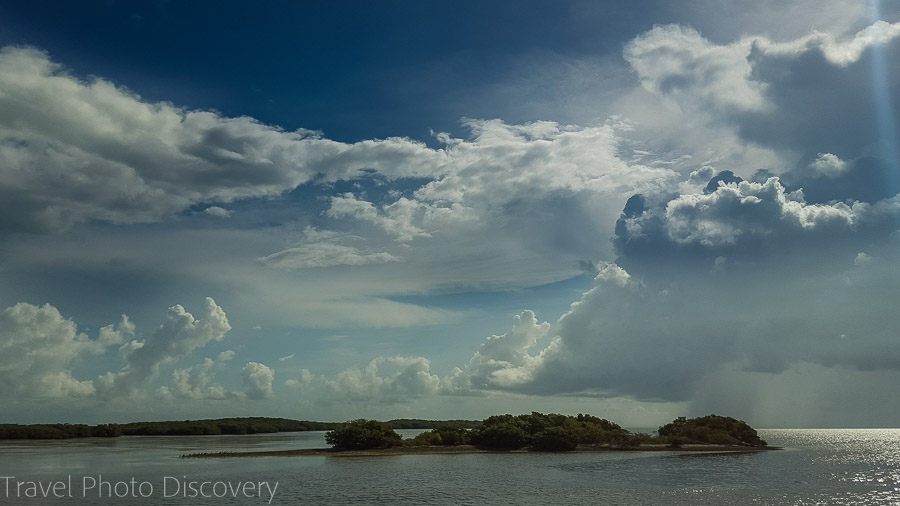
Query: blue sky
x=351 y=69
x=350 y=209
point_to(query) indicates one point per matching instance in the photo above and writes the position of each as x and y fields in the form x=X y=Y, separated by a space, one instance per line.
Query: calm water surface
x=822 y=466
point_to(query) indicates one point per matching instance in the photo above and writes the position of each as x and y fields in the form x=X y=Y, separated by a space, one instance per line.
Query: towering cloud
x=178 y=336
x=745 y=277
x=504 y=361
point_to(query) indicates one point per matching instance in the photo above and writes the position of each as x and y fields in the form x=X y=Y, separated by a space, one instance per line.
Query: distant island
x=534 y=432
x=250 y=425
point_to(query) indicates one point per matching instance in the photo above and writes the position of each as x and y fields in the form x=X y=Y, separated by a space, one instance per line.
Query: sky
x=334 y=210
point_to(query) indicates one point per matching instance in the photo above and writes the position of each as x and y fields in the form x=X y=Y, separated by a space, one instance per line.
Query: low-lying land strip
x=217 y=426
x=468 y=449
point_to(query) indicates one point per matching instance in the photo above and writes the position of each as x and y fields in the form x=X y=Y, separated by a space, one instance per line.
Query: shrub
x=424 y=439
x=363 y=434
x=712 y=429
x=625 y=439
x=554 y=439
x=502 y=436
x=675 y=441
x=452 y=436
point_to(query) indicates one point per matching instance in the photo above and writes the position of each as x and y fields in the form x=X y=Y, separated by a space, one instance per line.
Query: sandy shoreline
x=467 y=449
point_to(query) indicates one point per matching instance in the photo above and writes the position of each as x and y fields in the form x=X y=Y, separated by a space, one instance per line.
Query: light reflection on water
x=858 y=466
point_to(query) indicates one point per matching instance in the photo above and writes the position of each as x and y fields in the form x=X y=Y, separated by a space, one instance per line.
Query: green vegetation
x=550 y=432
x=500 y=435
x=445 y=435
x=57 y=431
x=256 y=425
x=251 y=425
x=555 y=432
x=430 y=438
x=363 y=434
x=450 y=435
x=554 y=439
x=712 y=429
x=537 y=431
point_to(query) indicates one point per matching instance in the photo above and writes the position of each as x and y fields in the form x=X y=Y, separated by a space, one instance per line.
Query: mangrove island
x=535 y=432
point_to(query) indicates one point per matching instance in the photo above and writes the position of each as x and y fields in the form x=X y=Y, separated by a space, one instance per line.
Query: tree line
x=249 y=425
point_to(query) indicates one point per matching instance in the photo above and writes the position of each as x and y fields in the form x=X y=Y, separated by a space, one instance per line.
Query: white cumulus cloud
x=384 y=380
x=105 y=154
x=38 y=346
x=258 y=379
x=179 y=335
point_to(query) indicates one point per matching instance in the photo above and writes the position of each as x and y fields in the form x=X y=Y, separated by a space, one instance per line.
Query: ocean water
x=817 y=466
